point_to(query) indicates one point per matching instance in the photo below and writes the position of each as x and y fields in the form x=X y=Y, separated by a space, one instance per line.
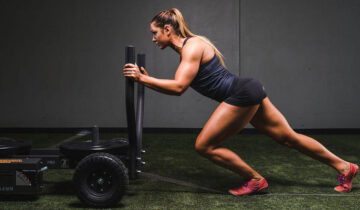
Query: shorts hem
x=234 y=102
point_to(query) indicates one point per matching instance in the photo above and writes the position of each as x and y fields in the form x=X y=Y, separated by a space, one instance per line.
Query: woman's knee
x=289 y=139
x=203 y=149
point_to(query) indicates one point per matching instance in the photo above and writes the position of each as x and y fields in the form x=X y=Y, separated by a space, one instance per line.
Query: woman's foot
x=345 y=181
x=250 y=187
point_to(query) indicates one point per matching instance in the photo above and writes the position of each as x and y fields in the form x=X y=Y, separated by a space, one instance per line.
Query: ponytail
x=176 y=20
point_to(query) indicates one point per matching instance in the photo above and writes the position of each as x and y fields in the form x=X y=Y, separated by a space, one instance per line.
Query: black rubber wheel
x=101 y=180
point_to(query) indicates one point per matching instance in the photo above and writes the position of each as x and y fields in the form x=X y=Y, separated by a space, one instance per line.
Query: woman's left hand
x=132 y=71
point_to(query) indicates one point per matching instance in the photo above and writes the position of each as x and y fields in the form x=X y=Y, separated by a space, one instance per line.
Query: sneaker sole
x=261 y=189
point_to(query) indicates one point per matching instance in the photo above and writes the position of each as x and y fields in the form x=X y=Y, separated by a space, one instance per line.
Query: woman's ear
x=167 y=29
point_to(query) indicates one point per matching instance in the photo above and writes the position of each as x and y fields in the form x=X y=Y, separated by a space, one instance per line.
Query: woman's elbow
x=180 y=90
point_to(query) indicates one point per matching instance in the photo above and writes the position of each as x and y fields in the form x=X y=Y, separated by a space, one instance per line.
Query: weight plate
x=9 y=147
x=80 y=149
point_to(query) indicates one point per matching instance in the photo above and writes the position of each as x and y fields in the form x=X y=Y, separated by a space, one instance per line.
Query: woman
x=242 y=100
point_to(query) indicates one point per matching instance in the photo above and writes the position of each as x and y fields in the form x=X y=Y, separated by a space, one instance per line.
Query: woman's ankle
x=257 y=178
x=344 y=168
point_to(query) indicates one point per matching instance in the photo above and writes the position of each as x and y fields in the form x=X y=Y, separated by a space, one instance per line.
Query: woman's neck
x=177 y=44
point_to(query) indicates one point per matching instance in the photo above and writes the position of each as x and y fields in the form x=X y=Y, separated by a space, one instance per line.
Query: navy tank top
x=213 y=79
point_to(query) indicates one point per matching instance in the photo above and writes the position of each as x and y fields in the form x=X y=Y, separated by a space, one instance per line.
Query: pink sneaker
x=250 y=187
x=345 y=181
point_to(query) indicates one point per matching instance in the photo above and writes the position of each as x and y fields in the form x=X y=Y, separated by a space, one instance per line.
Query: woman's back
x=213 y=79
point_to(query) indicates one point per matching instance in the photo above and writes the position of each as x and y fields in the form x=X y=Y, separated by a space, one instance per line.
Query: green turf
x=171 y=155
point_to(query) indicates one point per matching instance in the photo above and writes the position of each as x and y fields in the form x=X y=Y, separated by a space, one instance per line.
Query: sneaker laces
x=341 y=179
x=246 y=184
x=254 y=186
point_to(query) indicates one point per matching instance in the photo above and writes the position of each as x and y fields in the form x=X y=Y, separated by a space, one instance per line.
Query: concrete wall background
x=307 y=54
x=61 y=60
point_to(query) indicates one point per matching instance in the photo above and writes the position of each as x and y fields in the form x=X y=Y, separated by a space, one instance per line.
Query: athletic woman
x=242 y=101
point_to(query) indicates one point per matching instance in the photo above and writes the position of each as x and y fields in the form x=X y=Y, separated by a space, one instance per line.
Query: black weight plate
x=9 y=147
x=80 y=149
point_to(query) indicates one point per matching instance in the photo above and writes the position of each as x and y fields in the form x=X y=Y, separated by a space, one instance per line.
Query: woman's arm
x=166 y=86
x=184 y=75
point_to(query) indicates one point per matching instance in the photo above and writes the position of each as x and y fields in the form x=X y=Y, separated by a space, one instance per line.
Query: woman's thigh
x=226 y=121
x=269 y=120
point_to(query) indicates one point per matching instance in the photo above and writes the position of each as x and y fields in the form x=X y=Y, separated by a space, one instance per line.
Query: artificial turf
x=295 y=180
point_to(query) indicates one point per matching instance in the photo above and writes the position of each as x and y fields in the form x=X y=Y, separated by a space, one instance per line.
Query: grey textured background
x=307 y=54
x=61 y=60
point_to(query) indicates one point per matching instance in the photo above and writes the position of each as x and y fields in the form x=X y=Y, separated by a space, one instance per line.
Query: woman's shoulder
x=195 y=40
x=201 y=46
x=195 y=43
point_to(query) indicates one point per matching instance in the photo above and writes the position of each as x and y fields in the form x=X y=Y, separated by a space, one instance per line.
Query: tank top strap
x=185 y=41
x=184 y=44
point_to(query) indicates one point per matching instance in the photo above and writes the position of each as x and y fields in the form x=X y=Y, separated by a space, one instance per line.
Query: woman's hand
x=132 y=71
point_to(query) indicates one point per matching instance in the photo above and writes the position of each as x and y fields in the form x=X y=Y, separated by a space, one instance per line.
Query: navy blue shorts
x=246 y=92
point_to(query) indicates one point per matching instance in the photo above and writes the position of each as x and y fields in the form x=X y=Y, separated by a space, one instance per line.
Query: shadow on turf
x=176 y=191
x=18 y=198
x=287 y=182
x=59 y=188
x=82 y=206
x=67 y=188
x=222 y=184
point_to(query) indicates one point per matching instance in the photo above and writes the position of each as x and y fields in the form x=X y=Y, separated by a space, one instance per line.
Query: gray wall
x=307 y=54
x=61 y=60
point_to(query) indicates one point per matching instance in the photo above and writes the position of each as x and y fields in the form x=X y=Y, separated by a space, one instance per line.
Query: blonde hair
x=176 y=20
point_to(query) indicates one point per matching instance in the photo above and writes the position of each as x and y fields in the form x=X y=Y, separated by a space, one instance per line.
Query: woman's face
x=159 y=36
